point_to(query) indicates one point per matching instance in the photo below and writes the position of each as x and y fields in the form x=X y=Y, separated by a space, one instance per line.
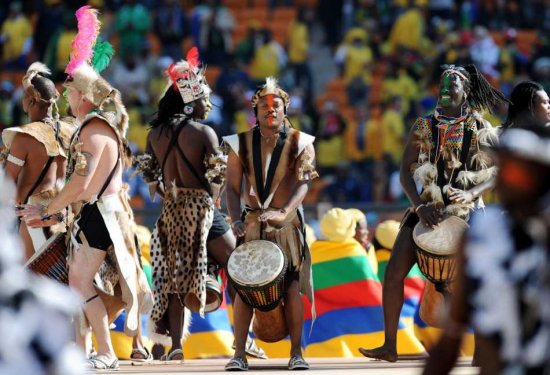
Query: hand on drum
x=239 y=228
x=430 y=215
x=29 y=212
x=276 y=216
x=460 y=196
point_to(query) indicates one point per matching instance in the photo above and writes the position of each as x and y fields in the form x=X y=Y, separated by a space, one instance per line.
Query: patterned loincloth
x=178 y=248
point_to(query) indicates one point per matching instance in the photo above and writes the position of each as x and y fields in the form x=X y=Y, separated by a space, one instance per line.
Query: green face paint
x=445 y=98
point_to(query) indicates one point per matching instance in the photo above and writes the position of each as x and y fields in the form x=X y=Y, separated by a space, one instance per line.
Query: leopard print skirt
x=178 y=248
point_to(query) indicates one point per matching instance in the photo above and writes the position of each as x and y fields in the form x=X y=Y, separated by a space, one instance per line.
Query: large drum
x=435 y=249
x=51 y=261
x=214 y=297
x=432 y=306
x=257 y=269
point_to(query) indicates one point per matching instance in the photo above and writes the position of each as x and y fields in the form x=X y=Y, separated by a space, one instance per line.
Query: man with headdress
x=276 y=163
x=102 y=254
x=184 y=164
x=36 y=152
x=446 y=153
x=503 y=265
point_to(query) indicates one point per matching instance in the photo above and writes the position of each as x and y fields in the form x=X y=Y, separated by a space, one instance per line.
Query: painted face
x=271 y=111
x=541 y=107
x=451 y=91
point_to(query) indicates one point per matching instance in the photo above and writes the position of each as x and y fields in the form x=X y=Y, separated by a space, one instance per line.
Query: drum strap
x=264 y=190
x=467 y=141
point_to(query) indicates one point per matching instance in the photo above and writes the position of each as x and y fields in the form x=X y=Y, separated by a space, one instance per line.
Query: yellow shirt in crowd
x=16 y=31
x=298 y=43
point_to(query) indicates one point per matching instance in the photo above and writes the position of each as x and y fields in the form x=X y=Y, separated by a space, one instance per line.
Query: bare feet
x=381 y=353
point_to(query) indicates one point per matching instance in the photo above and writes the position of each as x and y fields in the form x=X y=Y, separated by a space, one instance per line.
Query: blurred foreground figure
x=503 y=272
x=35 y=314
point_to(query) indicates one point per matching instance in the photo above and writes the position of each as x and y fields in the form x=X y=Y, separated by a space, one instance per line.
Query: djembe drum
x=51 y=261
x=435 y=254
x=257 y=269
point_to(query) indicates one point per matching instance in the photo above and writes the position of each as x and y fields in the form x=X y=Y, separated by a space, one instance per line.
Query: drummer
x=36 y=153
x=447 y=152
x=276 y=163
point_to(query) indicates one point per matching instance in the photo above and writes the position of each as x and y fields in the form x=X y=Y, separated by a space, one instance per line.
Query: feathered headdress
x=83 y=44
x=271 y=87
x=186 y=77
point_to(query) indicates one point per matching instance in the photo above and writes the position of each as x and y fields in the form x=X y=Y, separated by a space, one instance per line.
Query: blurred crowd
x=386 y=54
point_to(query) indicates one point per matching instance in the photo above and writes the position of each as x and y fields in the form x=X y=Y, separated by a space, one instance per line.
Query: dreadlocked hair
x=521 y=103
x=170 y=112
x=482 y=96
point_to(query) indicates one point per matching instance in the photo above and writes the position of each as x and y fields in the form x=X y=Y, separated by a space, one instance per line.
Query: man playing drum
x=102 y=255
x=36 y=152
x=276 y=163
x=446 y=153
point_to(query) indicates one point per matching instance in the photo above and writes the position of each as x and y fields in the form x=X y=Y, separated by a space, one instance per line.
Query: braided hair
x=521 y=103
x=482 y=96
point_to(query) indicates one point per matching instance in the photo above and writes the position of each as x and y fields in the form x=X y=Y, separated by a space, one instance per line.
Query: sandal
x=237 y=364
x=141 y=355
x=172 y=354
x=99 y=363
x=252 y=349
x=297 y=363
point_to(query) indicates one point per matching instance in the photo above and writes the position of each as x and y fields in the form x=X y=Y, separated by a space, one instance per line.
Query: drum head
x=443 y=239
x=256 y=263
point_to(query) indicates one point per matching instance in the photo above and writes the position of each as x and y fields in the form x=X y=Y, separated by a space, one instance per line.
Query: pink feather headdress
x=83 y=43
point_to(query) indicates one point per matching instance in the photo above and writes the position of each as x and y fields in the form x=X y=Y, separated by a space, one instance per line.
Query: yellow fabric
x=407 y=31
x=357 y=58
x=330 y=151
x=386 y=233
x=241 y=122
x=144 y=236
x=137 y=131
x=338 y=225
x=402 y=86
x=394 y=131
x=507 y=71
x=371 y=254
x=265 y=63
x=16 y=31
x=298 y=43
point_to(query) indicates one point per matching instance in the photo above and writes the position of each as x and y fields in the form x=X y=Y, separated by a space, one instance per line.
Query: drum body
x=435 y=249
x=270 y=326
x=51 y=259
x=432 y=306
x=214 y=297
x=257 y=269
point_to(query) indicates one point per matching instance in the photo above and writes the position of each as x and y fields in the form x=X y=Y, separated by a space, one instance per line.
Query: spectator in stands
x=330 y=12
x=231 y=86
x=170 y=25
x=485 y=52
x=215 y=39
x=408 y=30
x=399 y=83
x=354 y=57
x=296 y=113
x=132 y=79
x=298 y=52
x=443 y=9
x=132 y=24
x=50 y=19
x=356 y=139
x=330 y=138
x=16 y=38
x=246 y=49
x=393 y=127
x=60 y=47
x=269 y=59
x=541 y=72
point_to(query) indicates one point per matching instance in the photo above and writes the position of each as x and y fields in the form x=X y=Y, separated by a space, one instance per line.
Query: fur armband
x=149 y=168
x=306 y=168
x=80 y=161
x=216 y=167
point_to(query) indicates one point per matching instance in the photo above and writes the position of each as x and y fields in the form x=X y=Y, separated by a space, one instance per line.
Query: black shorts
x=219 y=226
x=93 y=227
